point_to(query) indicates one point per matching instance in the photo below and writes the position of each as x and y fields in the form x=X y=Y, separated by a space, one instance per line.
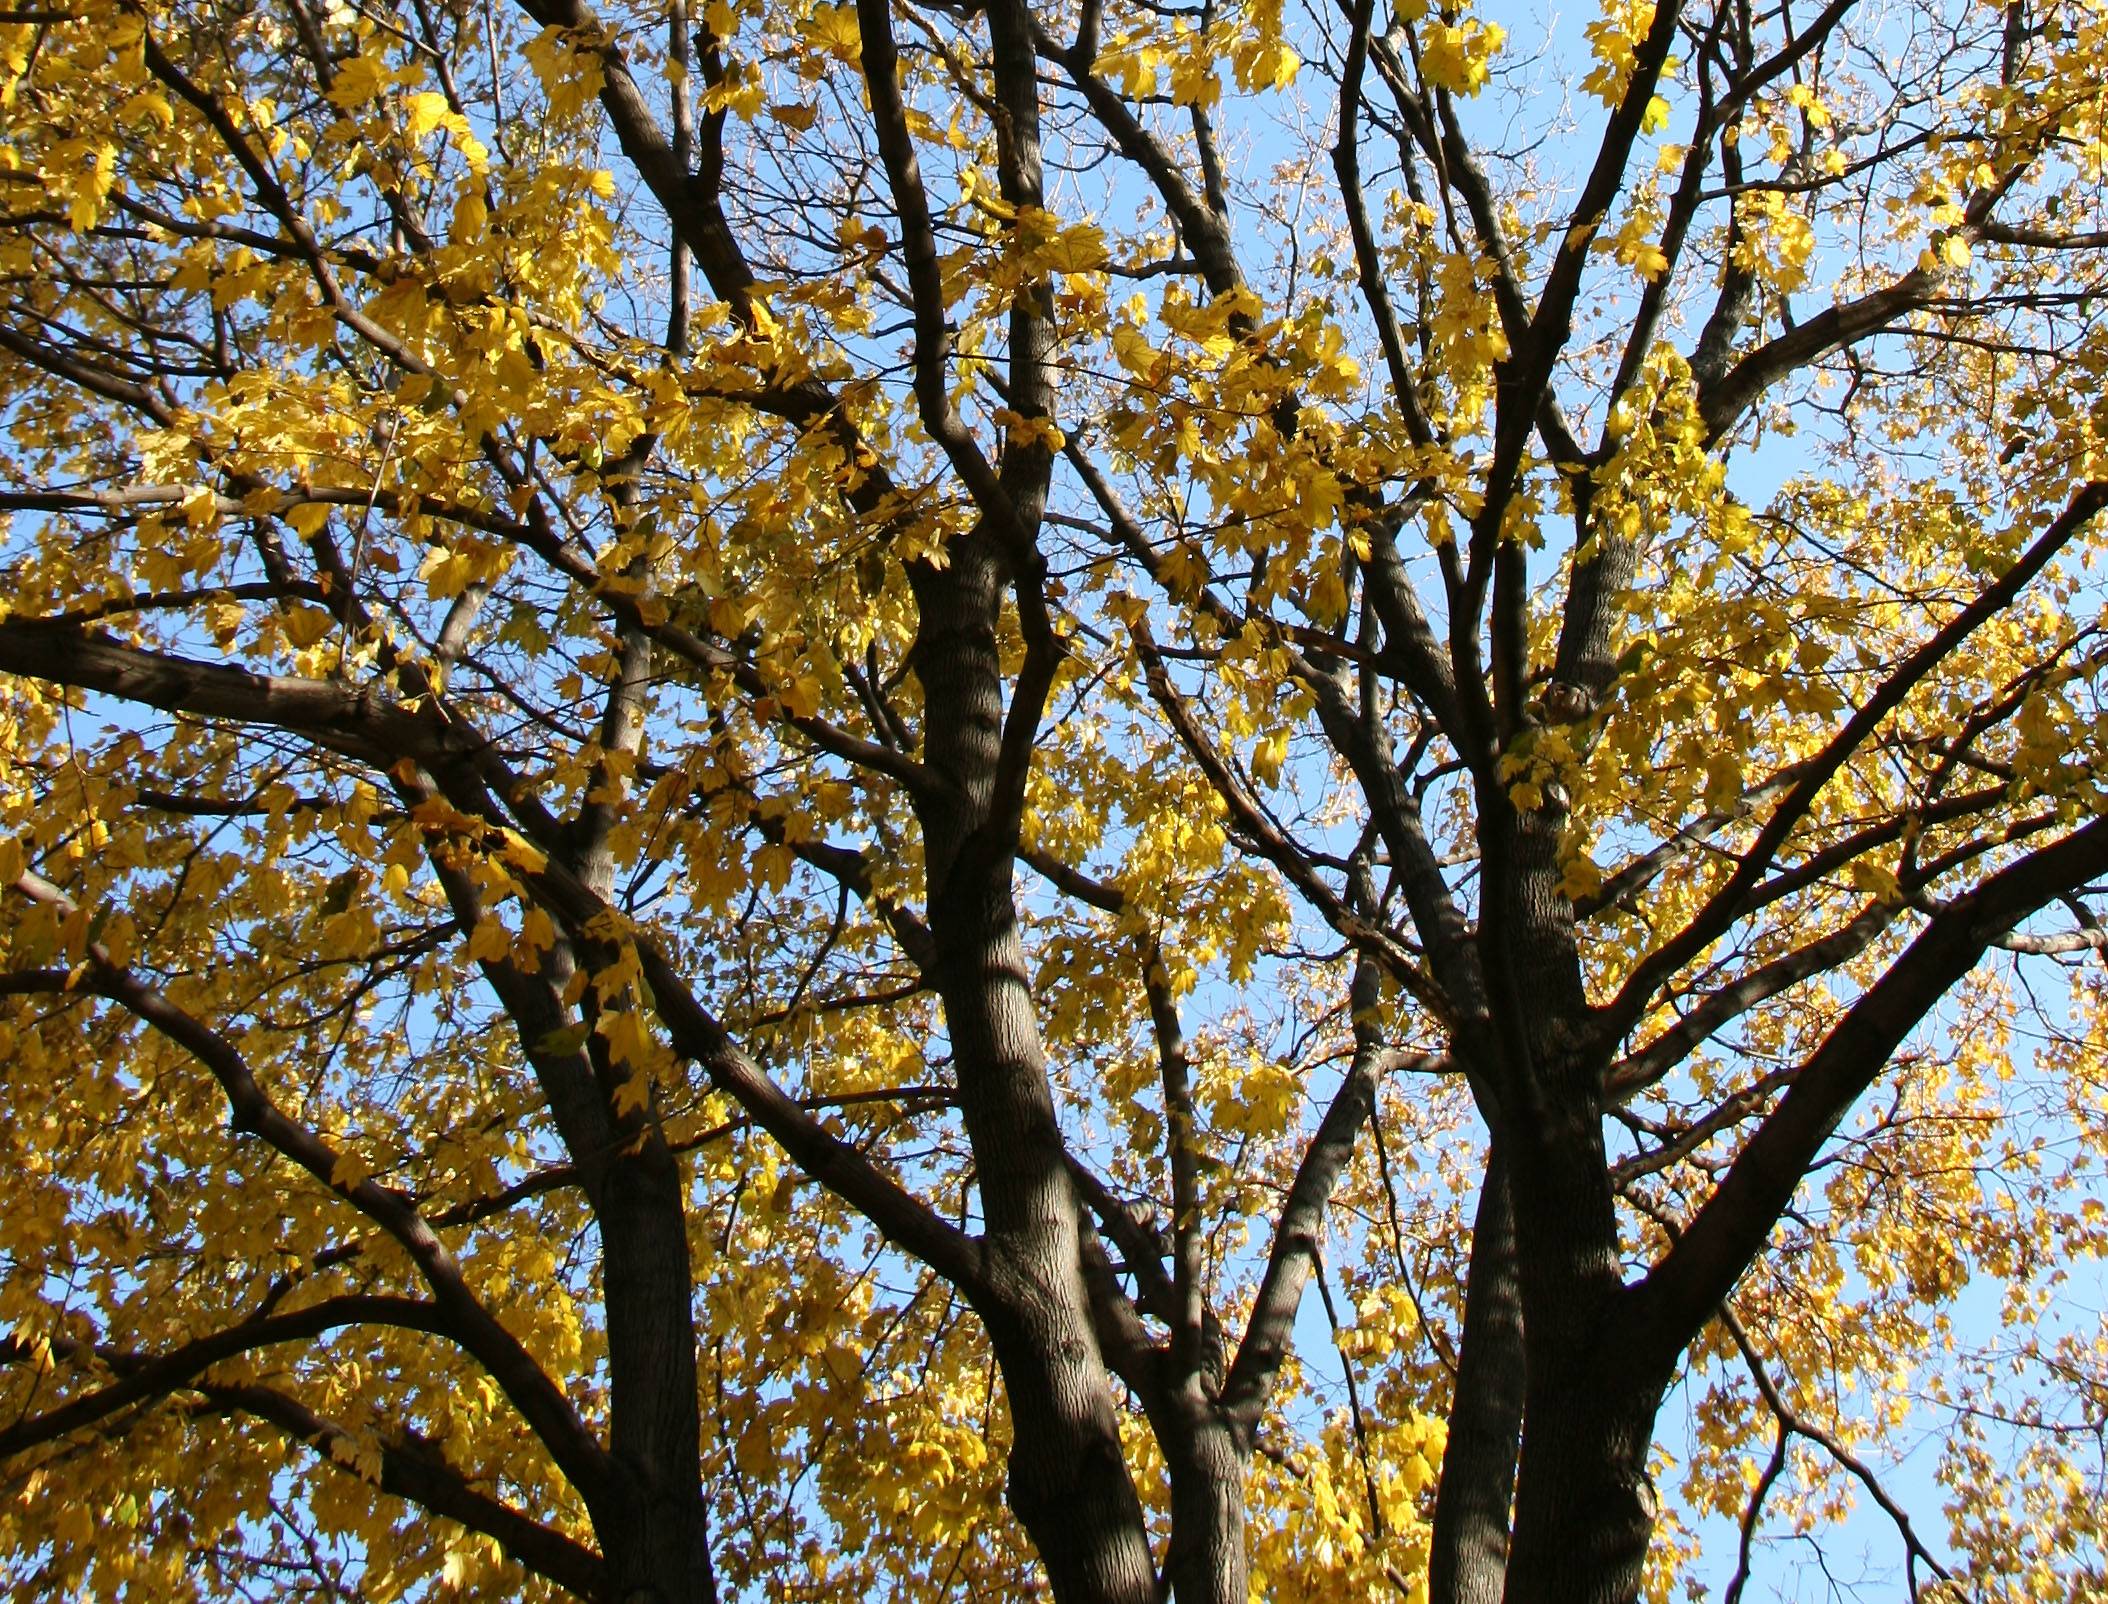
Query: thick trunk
x=1069 y=1482
x=654 y=1530
x=1468 y=1558
x=1207 y=1562
x=1584 y=1509
x=1584 y=1504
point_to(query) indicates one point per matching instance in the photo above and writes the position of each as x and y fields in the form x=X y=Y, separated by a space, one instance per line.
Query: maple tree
x=763 y=763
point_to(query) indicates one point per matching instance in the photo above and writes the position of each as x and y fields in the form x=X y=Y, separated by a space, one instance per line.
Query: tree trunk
x=1468 y=1558
x=1207 y=1563
x=1585 y=1506
x=1584 y=1509
x=654 y=1531
x=1069 y=1482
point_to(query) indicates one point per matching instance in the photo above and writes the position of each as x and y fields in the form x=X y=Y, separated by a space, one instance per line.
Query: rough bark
x=1068 y=1481
x=1585 y=1507
x=1583 y=1511
x=1207 y=1562
x=1468 y=1557
x=655 y=1531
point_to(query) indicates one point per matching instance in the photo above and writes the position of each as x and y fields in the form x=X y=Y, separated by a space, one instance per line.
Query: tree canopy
x=1011 y=799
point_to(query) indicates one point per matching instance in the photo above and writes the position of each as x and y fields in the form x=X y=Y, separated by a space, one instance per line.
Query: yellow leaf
x=358 y=80
x=304 y=626
x=151 y=106
x=426 y=111
x=833 y=30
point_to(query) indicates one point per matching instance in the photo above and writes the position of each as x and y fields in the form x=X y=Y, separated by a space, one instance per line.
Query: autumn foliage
x=1052 y=798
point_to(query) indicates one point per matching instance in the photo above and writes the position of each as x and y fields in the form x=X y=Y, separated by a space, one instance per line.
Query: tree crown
x=761 y=763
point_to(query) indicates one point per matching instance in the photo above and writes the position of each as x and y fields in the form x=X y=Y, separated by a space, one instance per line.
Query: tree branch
x=1294 y=1252
x=418 y=1475
x=1727 y=904
x=1665 y=1312
x=539 y=1401
x=143 y=1378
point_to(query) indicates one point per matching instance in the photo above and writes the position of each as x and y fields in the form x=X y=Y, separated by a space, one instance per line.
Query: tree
x=762 y=763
